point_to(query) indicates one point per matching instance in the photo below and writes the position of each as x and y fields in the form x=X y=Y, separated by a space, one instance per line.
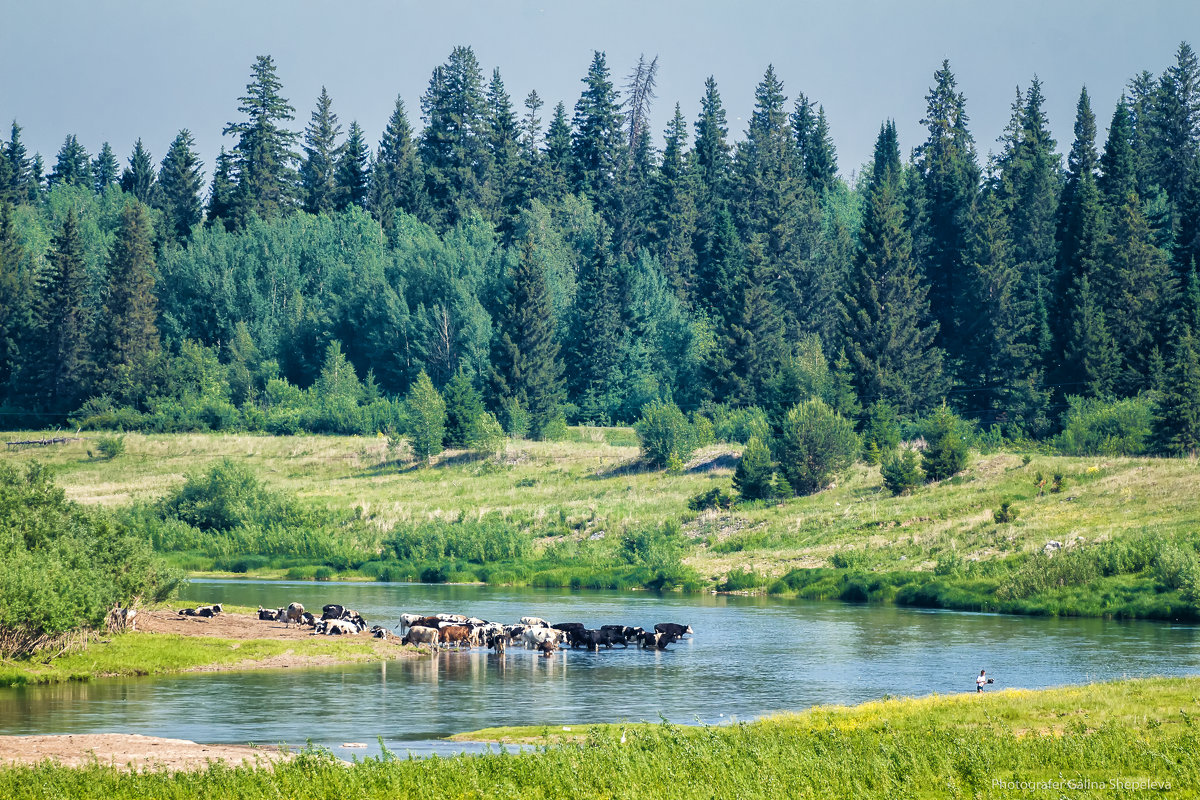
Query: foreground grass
x=1133 y=738
x=132 y=654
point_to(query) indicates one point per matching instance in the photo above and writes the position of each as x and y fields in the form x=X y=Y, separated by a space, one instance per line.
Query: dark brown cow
x=456 y=634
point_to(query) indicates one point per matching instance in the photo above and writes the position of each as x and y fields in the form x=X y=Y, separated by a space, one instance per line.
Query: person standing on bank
x=981 y=681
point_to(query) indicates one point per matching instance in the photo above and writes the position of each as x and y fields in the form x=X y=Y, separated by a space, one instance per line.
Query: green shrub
x=755 y=471
x=486 y=436
x=740 y=425
x=111 y=446
x=946 y=448
x=739 y=580
x=713 y=498
x=1110 y=428
x=900 y=472
x=663 y=430
x=228 y=495
x=815 y=444
x=1005 y=514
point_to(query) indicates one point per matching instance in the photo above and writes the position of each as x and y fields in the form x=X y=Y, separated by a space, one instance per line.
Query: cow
x=308 y=619
x=535 y=637
x=659 y=641
x=332 y=611
x=497 y=642
x=336 y=627
x=446 y=617
x=456 y=634
x=535 y=622
x=379 y=632
x=202 y=611
x=425 y=622
x=407 y=621
x=418 y=634
x=547 y=648
x=293 y=613
x=355 y=617
x=269 y=614
x=569 y=626
x=674 y=629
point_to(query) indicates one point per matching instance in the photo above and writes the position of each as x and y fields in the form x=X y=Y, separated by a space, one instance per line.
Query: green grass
x=576 y=498
x=940 y=747
x=135 y=653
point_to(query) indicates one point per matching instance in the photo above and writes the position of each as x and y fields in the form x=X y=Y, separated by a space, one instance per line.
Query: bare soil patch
x=130 y=751
x=224 y=626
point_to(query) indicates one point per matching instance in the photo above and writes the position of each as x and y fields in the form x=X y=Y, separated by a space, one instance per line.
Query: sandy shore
x=126 y=751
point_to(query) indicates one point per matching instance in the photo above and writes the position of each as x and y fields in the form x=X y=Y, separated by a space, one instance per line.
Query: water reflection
x=750 y=656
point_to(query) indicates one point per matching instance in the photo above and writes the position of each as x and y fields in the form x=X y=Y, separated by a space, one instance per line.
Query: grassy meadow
x=1133 y=738
x=1127 y=526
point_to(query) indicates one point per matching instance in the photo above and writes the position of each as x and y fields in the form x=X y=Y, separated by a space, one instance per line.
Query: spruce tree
x=1177 y=417
x=322 y=153
x=1118 y=166
x=222 y=194
x=531 y=161
x=266 y=180
x=527 y=370
x=886 y=319
x=464 y=407
x=597 y=349
x=713 y=156
x=1090 y=357
x=105 y=169
x=73 y=167
x=180 y=181
x=597 y=141
x=815 y=151
x=753 y=477
x=673 y=217
x=19 y=166
x=353 y=171
x=15 y=299
x=1137 y=289
x=1175 y=128
x=1080 y=223
x=396 y=182
x=503 y=149
x=139 y=178
x=560 y=165
x=59 y=364
x=949 y=184
x=130 y=339
x=453 y=146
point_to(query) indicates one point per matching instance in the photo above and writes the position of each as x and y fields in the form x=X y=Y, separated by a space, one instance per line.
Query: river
x=750 y=656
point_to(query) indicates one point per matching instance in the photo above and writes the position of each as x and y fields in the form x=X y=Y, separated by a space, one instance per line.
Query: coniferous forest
x=568 y=264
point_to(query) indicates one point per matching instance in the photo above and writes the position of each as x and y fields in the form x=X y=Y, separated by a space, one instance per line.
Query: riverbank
x=168 y=643
x=1103 y=537
x=128 y=751
x=1126 y=737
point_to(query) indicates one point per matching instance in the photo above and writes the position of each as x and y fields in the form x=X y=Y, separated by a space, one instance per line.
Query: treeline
x=576 y=272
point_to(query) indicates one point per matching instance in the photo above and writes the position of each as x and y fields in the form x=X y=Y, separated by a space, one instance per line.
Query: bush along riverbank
x=1130 y=737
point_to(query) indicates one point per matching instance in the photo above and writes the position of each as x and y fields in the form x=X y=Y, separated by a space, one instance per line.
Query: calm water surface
x=750 y=656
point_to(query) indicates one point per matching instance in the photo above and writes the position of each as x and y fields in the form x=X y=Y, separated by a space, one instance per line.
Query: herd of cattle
x=444 y=630
x=459 y=630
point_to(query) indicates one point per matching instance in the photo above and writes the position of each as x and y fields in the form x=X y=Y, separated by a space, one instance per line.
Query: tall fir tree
x=949 y=184
x=353 y=171
x=597 y=143
x=504 y=192
x=672 y=226
x=15 y=301
x=180 y=182
x=19 y=166
x=526 y=367
x=530 y=179
x=1118 y=166
x=322 y=152
x=105 y=169
x=1137 y=291
x=130 y=339
x=396 y=182
x=1080 y=224
x=222 y=195
x=560 y=166
x=60 y=365
x=1090 y=358
x=264 y=158
x=139 y=178
x=1175 y=128
x=597 y=339
x=73 y=167
x=1177 y=416
x=887 y=323
x=814 y=145
x=453 y=146
x=713 y=155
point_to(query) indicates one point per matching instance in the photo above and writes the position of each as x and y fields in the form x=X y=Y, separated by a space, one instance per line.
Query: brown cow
x=456 y=634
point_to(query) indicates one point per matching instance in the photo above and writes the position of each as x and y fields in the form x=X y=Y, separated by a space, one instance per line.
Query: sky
x=115 y=71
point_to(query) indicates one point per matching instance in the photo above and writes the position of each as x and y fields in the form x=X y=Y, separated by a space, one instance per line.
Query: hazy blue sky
x=118 y=70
